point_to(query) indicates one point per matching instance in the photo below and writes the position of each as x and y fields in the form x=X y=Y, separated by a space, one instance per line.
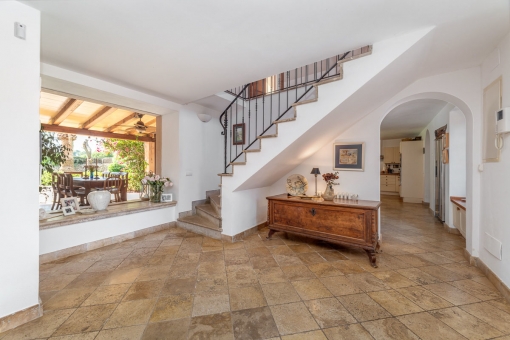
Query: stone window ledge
x=113 y=210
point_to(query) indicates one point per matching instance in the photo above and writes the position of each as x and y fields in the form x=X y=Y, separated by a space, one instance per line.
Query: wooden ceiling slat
x=101 y=114
x=65 y=129
x=123 y=121
x=150 y=122
x=66 y=110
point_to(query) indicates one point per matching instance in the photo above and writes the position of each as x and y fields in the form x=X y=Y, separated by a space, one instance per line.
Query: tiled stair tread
x=207 y=208
x=199 y=221
x=216 y=200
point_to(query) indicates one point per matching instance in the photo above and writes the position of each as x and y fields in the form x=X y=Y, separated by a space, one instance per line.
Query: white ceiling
x=409 y=119
x=187 y=50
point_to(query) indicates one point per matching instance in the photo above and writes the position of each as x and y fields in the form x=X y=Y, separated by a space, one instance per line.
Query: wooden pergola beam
x=101 y=114
x=71 y=105
x=123 y=121
x=65 y=129
x=150 y=122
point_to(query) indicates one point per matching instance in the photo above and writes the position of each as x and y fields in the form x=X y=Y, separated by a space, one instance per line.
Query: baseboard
x=248 y=232
x=431 y=211
x=451 y=230
x=21 y=317
x=82 y=248
x=493 y=278
x=389 y=193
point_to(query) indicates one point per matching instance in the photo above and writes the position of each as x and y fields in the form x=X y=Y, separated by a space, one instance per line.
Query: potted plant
x=329 y=178
x=156 y=184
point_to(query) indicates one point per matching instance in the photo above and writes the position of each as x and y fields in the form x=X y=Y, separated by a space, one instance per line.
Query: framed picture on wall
x=349 y=156
x=238 y=134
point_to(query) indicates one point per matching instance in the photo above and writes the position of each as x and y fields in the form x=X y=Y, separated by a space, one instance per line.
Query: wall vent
x=493 y=246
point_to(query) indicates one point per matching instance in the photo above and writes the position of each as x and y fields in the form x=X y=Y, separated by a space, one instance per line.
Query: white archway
x=472 y=182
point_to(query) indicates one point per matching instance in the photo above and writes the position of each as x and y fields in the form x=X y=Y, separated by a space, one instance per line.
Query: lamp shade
x=315 y=171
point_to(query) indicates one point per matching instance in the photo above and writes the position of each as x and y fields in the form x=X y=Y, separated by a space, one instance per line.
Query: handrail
x=228 y=107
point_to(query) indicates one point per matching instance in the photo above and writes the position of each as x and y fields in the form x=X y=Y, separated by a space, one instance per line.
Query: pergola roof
x=64 y=114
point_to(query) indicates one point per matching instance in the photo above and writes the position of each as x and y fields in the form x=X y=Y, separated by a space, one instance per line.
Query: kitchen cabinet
x=391 y=154
x=412 y=171
x=389 y=183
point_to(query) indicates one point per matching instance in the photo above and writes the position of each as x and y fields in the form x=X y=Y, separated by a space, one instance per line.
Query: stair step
x=216 y=203
x=286 y=120
x=207 y=211
x=305 y=102
x=252 y=150
x=199 y=225
x=329 y=80
x=238 y=163
x=267 y=136
x=227 y=175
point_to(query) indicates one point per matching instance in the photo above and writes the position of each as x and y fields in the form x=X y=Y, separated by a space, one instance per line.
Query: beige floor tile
x=205 y=303
x=394 y=302
x=280 y=250
x=324 y=269
x=88 y=280
x=363 y=308
x=348 y=332
x=172 y=307
x=179 y=286
x=300 y=248
x=56 y=282
x=476 y=289
x=86 y=319
x=340 y=285
x=312 y=335
x=451 y=293
x=256 y=323
x=242 y=278
x=297 y=272
x=246 y=298
x=293 y=318
x=259 y=251
x=42 y=327
x=394 y=279
x=280 y=293
x=144 y=290
x=130 y=313
x=311 y=258
x=332 y=256
x=414 y=260
x=367 y=282
x=424 y=298
x=182 y=271
x=107 y=294
x=389 y=329
x=429 y=328
x=466 y=324
x=418 y=276
x=441 y=273
x=261 y=262
x=215 y=326
x=68 y=298
x=122 y=276
x=124 y=333
x=154 y=273
x=270 y=275
x=329 y=312
x=501 y=304
x=80 y=336
x=173 y=329
x=311 y=289
x=348 y=267
x=466 y=271
x=492 y=315
x=287 y=259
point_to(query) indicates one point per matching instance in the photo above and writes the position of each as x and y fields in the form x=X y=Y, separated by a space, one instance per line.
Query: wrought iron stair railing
x=257 y=107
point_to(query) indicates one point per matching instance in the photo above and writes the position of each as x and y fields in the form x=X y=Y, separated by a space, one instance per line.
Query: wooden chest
x=345 y=222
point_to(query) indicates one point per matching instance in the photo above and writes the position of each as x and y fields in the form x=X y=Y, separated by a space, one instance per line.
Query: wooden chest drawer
x=332 y=223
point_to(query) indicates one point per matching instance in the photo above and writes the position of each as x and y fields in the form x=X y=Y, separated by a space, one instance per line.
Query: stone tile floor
x=178 y=285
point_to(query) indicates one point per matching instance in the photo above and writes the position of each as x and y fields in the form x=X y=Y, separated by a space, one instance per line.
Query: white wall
x=19 y=103
x=201 y=154
x=76 y=234
x=495 y=182
x=457 y=130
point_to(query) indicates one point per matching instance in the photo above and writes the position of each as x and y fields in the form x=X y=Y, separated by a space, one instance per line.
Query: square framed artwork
x=349 y=156
x=166 y=197
x=238 y=134
x=70 y=202
x=69 y=210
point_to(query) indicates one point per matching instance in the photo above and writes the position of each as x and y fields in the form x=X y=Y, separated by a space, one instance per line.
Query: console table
x=345 y=222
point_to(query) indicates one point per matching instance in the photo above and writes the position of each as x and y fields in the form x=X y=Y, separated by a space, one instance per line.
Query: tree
x=53 y=154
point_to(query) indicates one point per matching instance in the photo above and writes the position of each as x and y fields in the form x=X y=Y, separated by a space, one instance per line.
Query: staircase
x=206 y=219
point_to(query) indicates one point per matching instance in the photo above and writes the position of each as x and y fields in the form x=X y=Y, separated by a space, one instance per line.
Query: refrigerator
x=440 y=201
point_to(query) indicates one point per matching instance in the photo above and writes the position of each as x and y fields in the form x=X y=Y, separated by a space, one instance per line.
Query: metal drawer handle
x=313 y=212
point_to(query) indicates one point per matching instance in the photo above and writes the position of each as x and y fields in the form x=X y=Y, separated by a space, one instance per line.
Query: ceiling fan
x=139 y=126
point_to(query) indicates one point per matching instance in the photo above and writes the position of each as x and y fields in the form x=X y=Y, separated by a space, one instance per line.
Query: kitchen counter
x=392 y=174
x=459 y=201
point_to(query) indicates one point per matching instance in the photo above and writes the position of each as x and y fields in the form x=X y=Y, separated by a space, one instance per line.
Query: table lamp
x=315 y=171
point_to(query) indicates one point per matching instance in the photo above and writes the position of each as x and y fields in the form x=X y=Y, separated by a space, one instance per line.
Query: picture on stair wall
x=238 y=135
x=349 y=156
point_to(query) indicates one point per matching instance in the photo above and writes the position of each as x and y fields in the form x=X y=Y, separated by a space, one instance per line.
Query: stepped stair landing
x=206 y=220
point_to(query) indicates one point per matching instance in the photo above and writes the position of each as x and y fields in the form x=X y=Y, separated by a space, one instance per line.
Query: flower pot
x=99 y=200
x=155 y=194
x=329 y=194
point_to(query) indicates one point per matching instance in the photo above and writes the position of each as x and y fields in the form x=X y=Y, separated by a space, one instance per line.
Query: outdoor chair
x=74 y=191
x=114 y=184
x=56 y=193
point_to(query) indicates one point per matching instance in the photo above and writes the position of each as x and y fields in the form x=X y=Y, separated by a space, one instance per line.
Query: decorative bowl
x=99 y=200
x=297 y=185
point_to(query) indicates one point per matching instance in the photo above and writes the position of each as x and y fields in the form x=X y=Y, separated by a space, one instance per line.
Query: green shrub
x=116 y=167
x=46 y=178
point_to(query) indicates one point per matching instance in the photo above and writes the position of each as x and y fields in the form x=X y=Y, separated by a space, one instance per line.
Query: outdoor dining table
x=90 y=184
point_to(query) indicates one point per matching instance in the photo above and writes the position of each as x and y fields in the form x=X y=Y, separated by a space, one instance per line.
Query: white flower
x=157 y=177
x=164 y=180
x=167 y=184
x=144 y=181
x=171 y=184
x=151 y=179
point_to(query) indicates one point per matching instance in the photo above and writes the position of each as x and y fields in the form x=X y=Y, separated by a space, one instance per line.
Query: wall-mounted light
x=204 y=117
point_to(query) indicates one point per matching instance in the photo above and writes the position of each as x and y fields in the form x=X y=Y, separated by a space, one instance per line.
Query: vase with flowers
x=329 y=178
x=156 y=184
